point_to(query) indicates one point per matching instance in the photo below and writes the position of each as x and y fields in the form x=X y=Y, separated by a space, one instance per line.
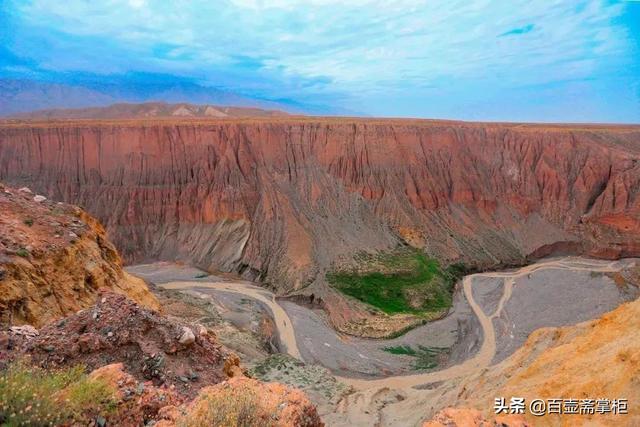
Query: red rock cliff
x=281 y=199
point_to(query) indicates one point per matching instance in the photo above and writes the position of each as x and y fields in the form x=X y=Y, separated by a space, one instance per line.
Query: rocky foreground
x=285 y=200
x=156 y=369
x=103 y=353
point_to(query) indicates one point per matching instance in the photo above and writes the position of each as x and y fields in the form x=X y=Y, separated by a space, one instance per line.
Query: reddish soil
x=117 y=330
x=157 y=376
x=54 y=258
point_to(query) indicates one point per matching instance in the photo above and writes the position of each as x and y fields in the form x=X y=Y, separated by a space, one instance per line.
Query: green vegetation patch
x=425 y=357
x=23 y=253
x=401 y=281
x=401 y=349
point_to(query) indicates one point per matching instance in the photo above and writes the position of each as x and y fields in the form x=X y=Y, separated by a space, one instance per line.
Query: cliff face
x=54 y=259
x=280 y=199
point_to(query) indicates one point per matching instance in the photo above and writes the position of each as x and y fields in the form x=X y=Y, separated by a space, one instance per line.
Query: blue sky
x=516 y=60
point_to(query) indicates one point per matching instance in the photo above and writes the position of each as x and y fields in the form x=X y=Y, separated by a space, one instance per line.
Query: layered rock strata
x=282 y=199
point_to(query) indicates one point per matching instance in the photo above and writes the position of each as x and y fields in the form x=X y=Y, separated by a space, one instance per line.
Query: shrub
x=455 y=272
x=23 y=253
x=230 y=407
x=425 y=357
x=34 y=396
x=28 y=222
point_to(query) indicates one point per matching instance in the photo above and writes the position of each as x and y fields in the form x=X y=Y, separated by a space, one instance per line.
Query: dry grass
x=34 y=396
x=231 y=407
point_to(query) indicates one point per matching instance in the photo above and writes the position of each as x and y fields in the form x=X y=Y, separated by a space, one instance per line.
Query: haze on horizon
x=538 y=61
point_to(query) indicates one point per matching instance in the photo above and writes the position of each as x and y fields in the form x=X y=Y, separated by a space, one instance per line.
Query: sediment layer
x=281 y=199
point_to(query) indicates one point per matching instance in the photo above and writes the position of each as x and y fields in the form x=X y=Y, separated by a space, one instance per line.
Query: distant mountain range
x=24 y=96
x=149 y=110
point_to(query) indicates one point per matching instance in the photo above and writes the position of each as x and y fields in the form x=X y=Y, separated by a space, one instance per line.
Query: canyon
x=239 y=223
x=320 y=213
x=285 y=200
x=526 y=326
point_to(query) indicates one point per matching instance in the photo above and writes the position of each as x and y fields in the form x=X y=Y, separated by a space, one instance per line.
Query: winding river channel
x=479 y=360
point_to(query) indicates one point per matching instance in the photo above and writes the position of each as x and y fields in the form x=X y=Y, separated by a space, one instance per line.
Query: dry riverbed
x=492 y=315
x=552 y=293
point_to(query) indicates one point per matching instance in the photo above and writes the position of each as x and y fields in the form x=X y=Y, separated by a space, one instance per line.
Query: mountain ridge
x=147 y=110
x=27 y=95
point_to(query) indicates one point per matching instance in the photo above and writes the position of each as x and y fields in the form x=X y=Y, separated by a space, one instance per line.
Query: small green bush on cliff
x=23 y=253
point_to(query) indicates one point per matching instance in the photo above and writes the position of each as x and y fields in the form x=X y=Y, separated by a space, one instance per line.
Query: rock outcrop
x=151 y=346
x=141 y=403
x=230 y=402
x=54 y=259
x=281 y=199
x=155 y=374
x=137 y=402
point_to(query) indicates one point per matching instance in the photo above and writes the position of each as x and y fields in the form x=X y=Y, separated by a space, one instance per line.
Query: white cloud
x=357 y=46
x=137 y=4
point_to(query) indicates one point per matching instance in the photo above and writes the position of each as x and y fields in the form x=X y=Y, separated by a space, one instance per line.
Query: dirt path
x=280 y=317
x=481 y=359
